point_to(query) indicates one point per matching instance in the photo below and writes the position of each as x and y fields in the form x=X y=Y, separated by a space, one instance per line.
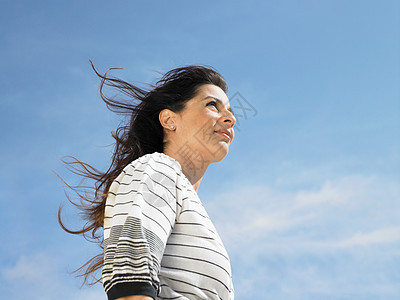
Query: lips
x=225 y=133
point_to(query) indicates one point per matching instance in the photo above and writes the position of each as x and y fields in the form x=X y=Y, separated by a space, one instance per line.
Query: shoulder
x=156 y=167
x=150 y=182
x=155 y=162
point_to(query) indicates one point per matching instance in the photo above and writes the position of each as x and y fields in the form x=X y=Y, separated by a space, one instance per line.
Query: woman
x=159 y=242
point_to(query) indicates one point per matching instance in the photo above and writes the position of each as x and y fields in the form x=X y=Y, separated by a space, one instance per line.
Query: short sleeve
x=140 y=213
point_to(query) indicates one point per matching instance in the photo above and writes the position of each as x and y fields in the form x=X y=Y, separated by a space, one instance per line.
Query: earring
x=172 y=127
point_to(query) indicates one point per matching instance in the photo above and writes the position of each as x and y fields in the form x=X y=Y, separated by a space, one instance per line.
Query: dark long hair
x=140 y=134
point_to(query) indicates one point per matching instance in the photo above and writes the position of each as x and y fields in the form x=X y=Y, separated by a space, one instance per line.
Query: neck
x=193 y=166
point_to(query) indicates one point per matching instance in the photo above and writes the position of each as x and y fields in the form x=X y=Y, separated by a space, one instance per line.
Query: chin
x=220 y=153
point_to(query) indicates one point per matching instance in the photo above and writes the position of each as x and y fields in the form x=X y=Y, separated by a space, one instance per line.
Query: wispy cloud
x=41 y=276
x=375 y=237
x=33 y=269
x=256 y=211
x=324 y=241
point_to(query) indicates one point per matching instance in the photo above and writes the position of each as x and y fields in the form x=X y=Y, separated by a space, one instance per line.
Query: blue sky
x=308 y=200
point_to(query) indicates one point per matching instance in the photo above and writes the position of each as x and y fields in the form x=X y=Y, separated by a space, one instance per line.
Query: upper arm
x=140 y=214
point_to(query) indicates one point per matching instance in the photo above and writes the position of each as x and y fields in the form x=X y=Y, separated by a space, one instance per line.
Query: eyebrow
x=219 y=101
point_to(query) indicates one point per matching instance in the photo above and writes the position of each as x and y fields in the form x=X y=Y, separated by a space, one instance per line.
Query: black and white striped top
x=158 y=238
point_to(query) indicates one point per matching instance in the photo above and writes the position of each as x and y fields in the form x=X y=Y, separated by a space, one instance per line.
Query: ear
x=167 y=118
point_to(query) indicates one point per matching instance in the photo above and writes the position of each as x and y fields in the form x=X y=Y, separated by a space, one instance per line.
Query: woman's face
x=204 y=129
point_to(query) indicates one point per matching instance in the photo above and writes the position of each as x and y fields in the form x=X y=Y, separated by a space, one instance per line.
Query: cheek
x=205 y=135
x=205 y=126
x=198 y=125
x=198 y=120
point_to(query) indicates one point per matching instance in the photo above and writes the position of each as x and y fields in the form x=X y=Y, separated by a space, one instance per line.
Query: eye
x=212 y=103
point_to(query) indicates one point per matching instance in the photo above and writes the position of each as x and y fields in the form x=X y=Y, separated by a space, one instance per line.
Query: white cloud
x=379 y=236
x=43 y=275
x=325 y=241
x=341 y=192
x=338 y=208
x=33 y=269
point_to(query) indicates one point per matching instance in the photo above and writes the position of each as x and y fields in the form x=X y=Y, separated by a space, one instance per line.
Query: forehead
x=213 y=91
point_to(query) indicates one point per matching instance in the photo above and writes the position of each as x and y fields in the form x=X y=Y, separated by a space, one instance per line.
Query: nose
x=229 y=118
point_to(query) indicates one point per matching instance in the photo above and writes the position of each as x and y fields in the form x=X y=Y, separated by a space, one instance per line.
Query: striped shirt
x=158 y=239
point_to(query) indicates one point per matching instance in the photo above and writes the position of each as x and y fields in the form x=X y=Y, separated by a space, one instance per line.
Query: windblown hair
x=141 y=133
